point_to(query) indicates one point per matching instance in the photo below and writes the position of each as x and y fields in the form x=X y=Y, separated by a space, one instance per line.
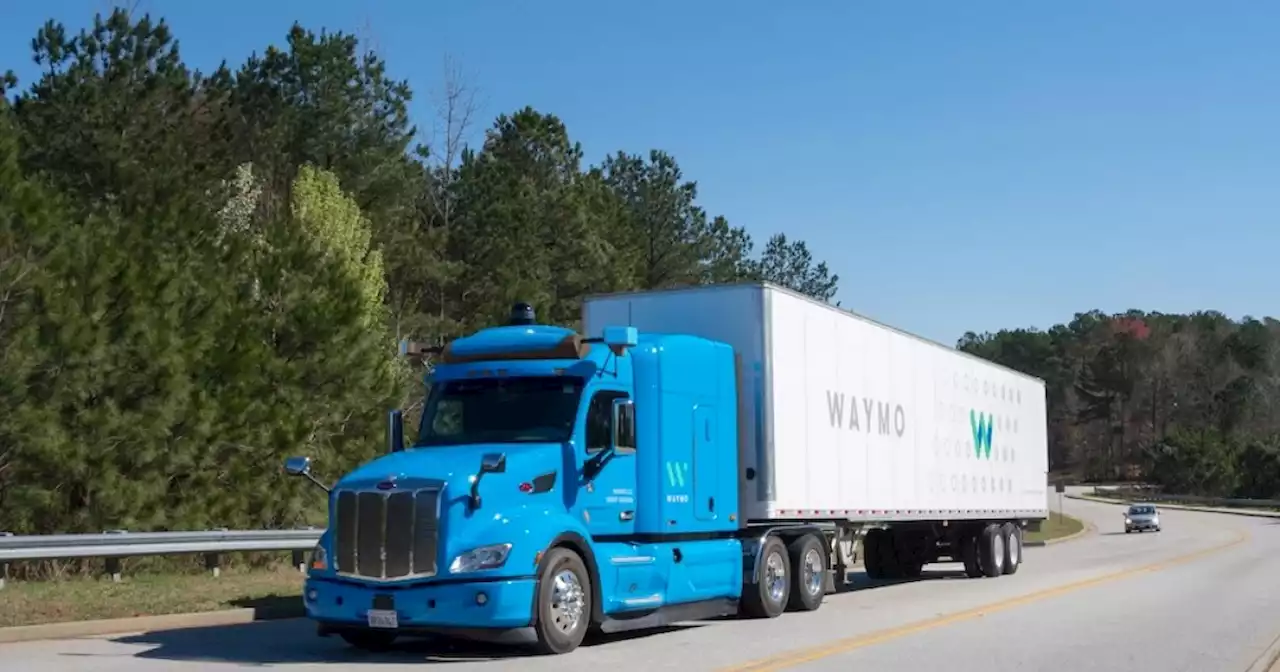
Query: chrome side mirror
x=298 y=466
x=490 y=463
x=301 y=466
x=493 y=463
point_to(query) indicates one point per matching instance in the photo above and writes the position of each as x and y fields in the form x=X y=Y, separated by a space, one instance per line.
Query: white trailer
x=859 y=426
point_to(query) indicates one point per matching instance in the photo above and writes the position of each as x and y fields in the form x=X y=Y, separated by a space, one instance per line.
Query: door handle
x=626 y=515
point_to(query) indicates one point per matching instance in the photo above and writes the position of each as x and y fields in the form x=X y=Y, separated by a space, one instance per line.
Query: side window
x=600 y=420
x=627 y=434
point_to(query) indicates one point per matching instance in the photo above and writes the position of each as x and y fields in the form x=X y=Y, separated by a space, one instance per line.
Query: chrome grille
x=386 y=535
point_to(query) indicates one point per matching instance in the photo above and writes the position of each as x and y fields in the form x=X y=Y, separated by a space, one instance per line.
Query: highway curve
x=1201 y=596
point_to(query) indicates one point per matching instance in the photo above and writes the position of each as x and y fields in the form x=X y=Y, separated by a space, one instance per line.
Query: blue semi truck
x=701 y=453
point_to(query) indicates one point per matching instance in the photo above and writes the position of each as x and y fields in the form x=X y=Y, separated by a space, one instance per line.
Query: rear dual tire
x=790 y=576
x=808 y=555
x=994 y=551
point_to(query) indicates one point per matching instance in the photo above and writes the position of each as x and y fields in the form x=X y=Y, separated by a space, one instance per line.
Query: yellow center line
x=800 y=656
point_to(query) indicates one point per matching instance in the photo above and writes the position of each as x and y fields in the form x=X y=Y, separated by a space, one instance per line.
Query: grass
x=82 y=599
x=1056 y=527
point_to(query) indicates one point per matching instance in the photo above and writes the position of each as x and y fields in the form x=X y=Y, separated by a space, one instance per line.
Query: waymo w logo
x=982 y=425
x=676 y=473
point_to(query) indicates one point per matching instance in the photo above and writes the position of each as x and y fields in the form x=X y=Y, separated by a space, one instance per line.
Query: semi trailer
x=693 y=453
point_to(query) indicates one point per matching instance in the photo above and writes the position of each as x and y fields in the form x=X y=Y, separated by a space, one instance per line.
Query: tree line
x=1187 y=402
x=202 y=273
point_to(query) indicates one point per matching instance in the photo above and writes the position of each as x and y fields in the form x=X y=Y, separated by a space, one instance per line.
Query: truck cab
x=557 y=483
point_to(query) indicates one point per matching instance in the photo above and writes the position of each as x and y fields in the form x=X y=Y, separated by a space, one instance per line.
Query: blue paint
x=498 y=340
x=425 y=605
x=556 y=416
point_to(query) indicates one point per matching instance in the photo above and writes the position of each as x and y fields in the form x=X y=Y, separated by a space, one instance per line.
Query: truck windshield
x=500 y=410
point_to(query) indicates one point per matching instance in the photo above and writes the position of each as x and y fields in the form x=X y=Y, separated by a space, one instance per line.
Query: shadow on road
x=858 y=581
x=272 y=607
x=295 y=641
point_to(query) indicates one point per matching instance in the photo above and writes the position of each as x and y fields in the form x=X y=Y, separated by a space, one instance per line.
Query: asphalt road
x=1201 y=596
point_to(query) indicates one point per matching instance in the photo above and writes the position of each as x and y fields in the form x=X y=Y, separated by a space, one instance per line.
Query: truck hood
x=455 y=465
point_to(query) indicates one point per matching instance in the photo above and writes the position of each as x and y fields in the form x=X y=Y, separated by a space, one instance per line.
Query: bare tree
x=131 y=7
x=368 y=37
x=457 y=105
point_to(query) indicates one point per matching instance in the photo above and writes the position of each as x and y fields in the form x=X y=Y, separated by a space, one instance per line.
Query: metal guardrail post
x=213 y=561
x=299 y=556
x=114 y=563
x=4 y=566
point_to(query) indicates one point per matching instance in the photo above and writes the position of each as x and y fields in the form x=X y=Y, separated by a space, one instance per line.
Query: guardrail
x=119 y=544
x=1153 y=495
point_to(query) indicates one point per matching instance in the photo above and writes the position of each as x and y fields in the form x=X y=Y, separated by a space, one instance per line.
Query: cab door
x=608 y=487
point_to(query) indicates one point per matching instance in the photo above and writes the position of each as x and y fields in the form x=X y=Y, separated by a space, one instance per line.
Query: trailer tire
x=969 y=555
x=909 y=550
x=369 y=640
x=878 y=557
x=808 y=573
x=563 y=602
x=991 y=550
x=768 y=596
x=1012 y=547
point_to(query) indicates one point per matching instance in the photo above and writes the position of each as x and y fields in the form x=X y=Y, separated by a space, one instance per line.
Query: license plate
x=383 y=618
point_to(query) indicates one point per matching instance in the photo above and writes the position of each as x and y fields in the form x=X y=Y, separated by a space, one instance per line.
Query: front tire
x=564 y=602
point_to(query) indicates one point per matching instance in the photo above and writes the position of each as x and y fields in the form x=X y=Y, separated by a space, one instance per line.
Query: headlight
x=1127 y=521
x=477 y=559
x=319 y=557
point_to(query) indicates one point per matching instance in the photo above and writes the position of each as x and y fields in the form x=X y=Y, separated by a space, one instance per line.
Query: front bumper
x=1142 y=525
x=433 y=607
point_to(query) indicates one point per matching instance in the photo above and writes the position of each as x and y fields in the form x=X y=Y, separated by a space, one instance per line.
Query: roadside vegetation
x=1126 y=496
x=1056 y=527
x=204 y=273
x=271 y=591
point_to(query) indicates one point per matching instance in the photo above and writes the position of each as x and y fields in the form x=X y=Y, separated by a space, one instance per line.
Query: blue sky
x=961 y=165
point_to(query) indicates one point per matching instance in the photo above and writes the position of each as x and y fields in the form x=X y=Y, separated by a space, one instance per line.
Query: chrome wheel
x=568 y=601
x=997 y=544
x=1015 y=549
x=812 y=571
x=775 y=577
